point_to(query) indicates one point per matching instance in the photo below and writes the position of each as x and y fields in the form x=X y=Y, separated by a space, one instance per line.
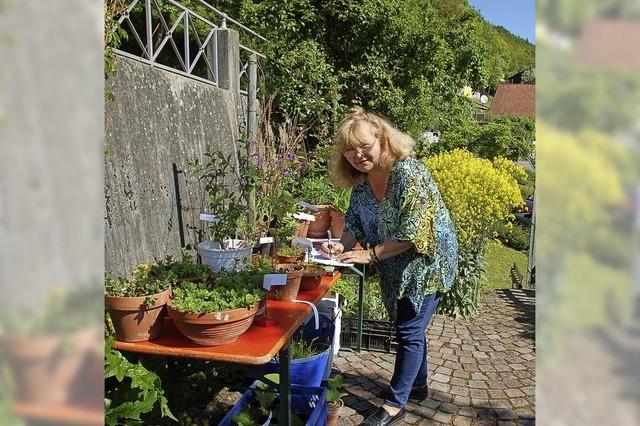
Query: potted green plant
x=259 y=414
x=136 y=306
x=334 y=399
x=177 y=271
x=309 y=359
x=340 y=202
x=288 y=292
x=231 y=232
x=316 y=190
x=218 y=313
x=311 y=276
x=288 y=254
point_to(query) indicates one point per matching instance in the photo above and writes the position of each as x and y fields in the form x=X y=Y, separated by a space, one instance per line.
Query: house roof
x=610 y=44
x=514 y=99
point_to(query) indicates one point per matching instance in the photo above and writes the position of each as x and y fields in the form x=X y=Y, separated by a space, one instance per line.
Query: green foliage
x=463 y=299
x=301 y=349
x=334 y=386
x=230 y=290
x=172 y=270
x=316 y=189
x=139 y=391
x=140 y=285
x=373 y=306
x=340 y=198
x=225 y=196
x=502 y=136
x=515 y=236
x=289 y=251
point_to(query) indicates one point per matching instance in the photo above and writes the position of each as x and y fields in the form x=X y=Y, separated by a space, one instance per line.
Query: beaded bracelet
x=376 y=258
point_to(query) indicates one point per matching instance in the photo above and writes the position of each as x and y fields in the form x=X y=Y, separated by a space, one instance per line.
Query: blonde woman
x=396 y=212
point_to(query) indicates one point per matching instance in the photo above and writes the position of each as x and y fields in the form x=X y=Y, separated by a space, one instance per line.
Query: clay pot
x=288 y=292
x=303 y=229
x=132 y=321
x=289 y=259
x=213 y=329
x=318 y=228
x=311 y=279
x=333 y=412
x=45 y=368
x=337 y=223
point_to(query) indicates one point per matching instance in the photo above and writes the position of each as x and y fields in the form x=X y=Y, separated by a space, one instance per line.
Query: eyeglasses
x=365 y=149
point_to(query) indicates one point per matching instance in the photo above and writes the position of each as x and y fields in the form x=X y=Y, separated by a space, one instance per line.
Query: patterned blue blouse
x=411 y=210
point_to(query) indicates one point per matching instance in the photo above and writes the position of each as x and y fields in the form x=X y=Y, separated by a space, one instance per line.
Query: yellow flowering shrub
x=480 y=196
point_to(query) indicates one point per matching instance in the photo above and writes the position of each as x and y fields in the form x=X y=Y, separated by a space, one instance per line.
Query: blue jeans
x=411 y=368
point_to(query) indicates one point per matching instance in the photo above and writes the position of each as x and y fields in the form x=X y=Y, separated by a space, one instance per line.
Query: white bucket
x=225 y=258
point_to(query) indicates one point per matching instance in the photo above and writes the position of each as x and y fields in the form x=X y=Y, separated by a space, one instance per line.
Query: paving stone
x=443 y=417
x=461 y=421
x=441 y=378
x=514 y=393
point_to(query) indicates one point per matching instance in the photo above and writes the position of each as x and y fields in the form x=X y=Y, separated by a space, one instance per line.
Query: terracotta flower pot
x=213 y=329
x=289 y=291
x=311 y=279
x=289 y=259
x=318 y=228
x=333 y=412
x=303 y=229
x=132 y=321
x=337 y=223
x=45 y=368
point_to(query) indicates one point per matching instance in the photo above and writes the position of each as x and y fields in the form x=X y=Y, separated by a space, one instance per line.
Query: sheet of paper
x=319 y=258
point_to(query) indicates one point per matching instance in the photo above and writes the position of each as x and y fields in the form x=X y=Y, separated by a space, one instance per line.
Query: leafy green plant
x=340 y=198
x=140 y=285
x=173 y=270
x=515 y=236
x=226 y=193
x=316 y=190
x=289 y=251
x=464 y=298
x=301 y=348
x=230 y=290
x=138 y=390
x=334 y=386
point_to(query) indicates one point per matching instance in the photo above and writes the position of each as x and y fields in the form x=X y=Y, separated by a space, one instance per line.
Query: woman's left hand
x=361 y=257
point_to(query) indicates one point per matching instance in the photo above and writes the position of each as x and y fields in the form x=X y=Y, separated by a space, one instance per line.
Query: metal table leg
x=285 y=386
x=360 y=309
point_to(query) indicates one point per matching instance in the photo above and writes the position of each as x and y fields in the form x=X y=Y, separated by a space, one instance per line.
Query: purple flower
x=256 y=160
x=253 y=142
x=303 y=165
x=291 y=155
x=287 y=172
x=241 y=182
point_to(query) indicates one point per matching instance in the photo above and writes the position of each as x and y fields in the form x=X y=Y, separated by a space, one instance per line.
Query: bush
x=515 y=236
x=481 y=199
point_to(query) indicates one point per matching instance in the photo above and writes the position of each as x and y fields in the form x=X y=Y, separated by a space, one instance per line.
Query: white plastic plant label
x=265 y=240
x=208 y=217
x=273 y=279
x=304 y=216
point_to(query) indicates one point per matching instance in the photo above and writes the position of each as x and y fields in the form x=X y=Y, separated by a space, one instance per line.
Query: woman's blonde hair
x=394 y=144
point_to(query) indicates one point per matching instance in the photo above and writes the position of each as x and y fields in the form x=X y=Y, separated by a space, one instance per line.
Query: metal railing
x=192 y=27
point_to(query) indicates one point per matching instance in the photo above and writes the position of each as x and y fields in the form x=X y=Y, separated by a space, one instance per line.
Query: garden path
x=482 y=370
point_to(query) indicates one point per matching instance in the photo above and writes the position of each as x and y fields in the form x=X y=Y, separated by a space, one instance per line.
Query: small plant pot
x=288 y=292
x=311 y=278
x=334 y=409
x=223 y=258
x=213 y=329
x=132 y=320
x=289 y=259
x=337 y=223
x=45 y=368
x=303 y=229
x=318 y=228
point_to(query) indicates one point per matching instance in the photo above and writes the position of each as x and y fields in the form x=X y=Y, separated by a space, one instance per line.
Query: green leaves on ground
x=139 y=391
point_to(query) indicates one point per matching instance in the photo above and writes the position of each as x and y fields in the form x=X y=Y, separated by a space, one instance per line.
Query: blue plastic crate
x=305 y=401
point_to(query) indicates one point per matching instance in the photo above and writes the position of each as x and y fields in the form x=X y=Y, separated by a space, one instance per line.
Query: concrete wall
x=158 y=118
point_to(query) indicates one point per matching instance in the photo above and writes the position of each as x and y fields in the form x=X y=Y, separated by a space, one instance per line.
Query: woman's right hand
x=336 y=248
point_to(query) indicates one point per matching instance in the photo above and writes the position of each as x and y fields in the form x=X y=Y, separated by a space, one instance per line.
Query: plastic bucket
x=306 y=371
x=217 y=258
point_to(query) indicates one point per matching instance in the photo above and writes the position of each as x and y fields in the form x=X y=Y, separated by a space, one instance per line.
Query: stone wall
x=157 y=119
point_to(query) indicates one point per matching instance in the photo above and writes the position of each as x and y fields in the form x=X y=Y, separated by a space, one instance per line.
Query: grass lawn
x=499 y=260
